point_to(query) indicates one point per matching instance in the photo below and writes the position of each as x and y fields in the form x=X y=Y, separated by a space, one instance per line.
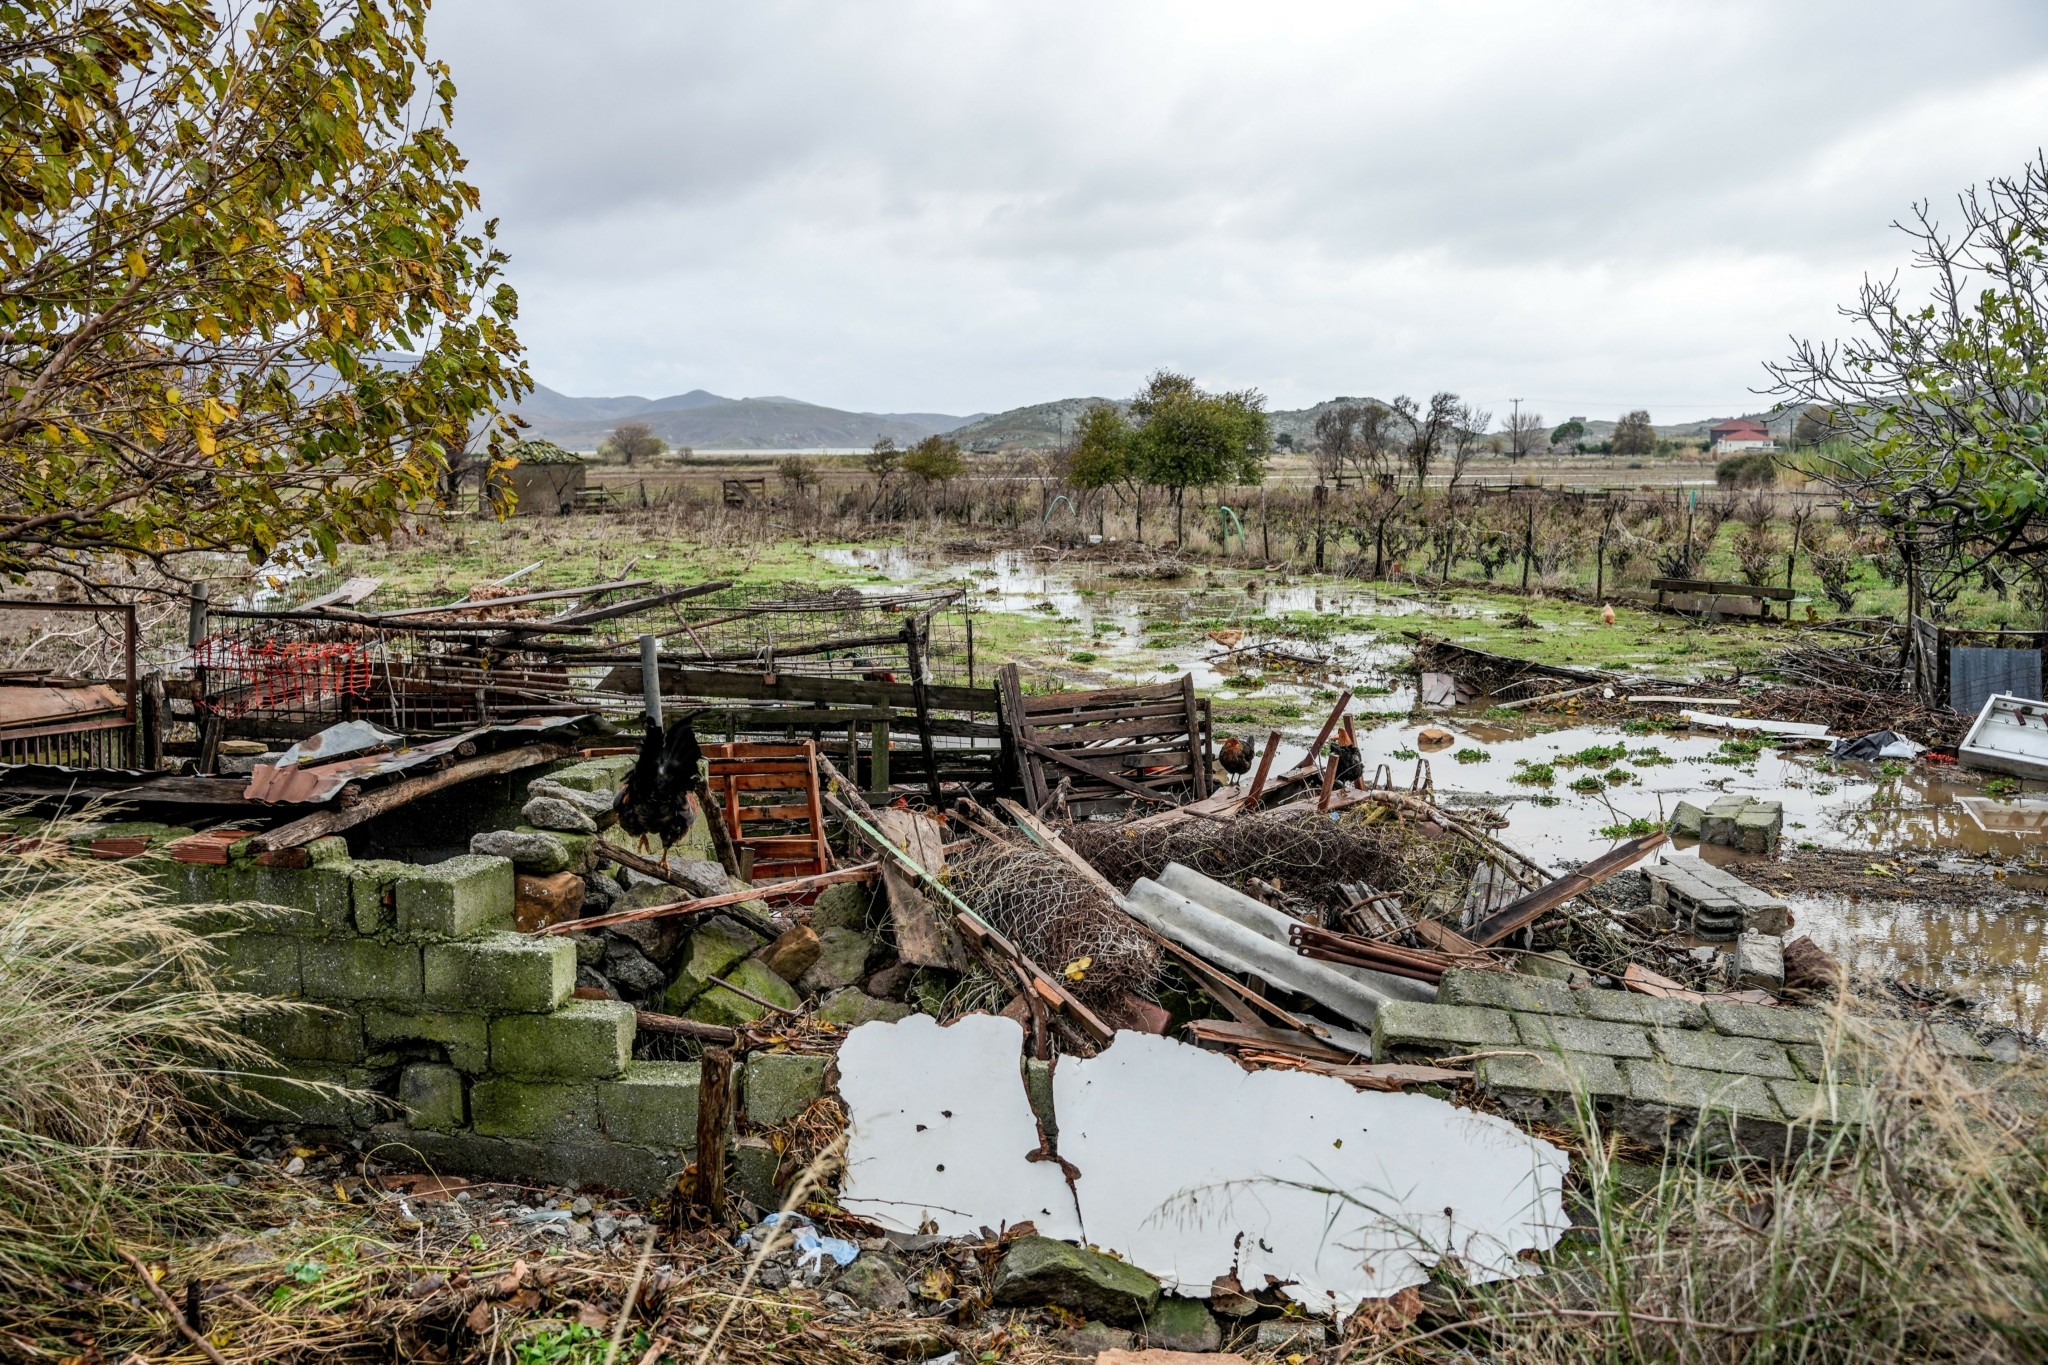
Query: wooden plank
x=1714 y=587
x=1174 y=724
x=714 y=1128
x=1543 y=899
x=376 y=802
x=783 y=890
x=1066 y=760
x=1230 y=1033
x=1030 y=773
x=923 y=935
x=492 y=603
x=1081 y=720
x=1053 y=701
x=679 y=682
x=194 y=791
x=1194 y=737
x=1443 y=938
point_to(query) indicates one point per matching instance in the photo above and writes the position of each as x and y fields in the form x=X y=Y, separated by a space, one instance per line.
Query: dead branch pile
x=1304 y=855
x=1847 y=710
x=1867 y=668
x=1058 y=919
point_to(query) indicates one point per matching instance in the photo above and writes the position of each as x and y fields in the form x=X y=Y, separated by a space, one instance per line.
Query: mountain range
x=708 y=421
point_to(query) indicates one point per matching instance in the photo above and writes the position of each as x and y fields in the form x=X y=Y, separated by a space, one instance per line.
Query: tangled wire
x=1305 y=855
x=1059 y=920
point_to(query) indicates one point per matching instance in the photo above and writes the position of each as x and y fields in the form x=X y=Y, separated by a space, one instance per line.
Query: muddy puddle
x=1989 y=946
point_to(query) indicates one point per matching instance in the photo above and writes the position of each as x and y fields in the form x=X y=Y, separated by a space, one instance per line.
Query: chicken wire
x=1059 y=921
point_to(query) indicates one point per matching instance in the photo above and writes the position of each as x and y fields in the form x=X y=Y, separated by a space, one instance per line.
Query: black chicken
x=1235 y=757
x=655 y=797
x=1350 y=763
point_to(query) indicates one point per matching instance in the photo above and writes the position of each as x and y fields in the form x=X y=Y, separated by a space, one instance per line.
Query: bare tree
x=1525 y=433
x=1433 y=430
x=1467 y=438
x=1336 y=442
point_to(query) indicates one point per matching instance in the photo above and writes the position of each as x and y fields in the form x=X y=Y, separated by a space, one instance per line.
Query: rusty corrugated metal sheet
x=315 y=784
x=42 y=705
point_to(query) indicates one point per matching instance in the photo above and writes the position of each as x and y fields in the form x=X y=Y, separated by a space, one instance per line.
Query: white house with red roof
x=1738 y=435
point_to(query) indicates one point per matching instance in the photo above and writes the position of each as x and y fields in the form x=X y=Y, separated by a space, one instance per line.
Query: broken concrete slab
x=940 y=1132
x=1039 y=1271
x=1695 y=894
x=1184 y=1172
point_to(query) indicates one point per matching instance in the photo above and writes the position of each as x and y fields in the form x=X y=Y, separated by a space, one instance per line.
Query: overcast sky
x=958 y=207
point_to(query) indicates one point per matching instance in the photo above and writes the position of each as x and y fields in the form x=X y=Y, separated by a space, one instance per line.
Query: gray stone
x=717 y=1005
x=538 y=853
x=600 y=893
x=1714 y=1052
x=1553 y=966
x=308 y=1033
x=1719 y=825
x=1953 y=1040
x=1092 y=1339
x=1038 y=1089
x=595 y=804
x=875 y=1282
x=699 y=876
x=591 y=979
x=842 y=959
x=852 y=1007
x=1411 y=1028
x=1758 y=826
x=1686 y=820
x=1177 y=1324
x=781 y=1085
x=844 y=906
x=552 y=812
x=1040 y=1271
x=1288 y=1336
x=456 y=898
x=656 y=939
x=589 y=948
x=1564 y=1033
x=714 y=947
x=1805 y=1102
x=627 y=968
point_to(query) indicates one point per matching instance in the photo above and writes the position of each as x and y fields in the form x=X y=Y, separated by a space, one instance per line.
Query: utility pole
x=1515 y=433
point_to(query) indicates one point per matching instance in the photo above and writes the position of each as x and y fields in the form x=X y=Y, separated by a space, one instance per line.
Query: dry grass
x=109 y=1013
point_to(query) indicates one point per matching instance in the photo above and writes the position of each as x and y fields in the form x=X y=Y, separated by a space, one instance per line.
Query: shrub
x=1751 y=469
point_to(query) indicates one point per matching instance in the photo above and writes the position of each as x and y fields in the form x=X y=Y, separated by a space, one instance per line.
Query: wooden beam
x=793 y=886
x=1066 y=759
x=1543 y=899
x=376 y=802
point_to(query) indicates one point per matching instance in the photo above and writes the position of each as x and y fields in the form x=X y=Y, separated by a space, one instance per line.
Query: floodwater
x=1990 y=947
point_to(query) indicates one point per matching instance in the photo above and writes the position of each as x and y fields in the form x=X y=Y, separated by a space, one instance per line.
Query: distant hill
x=708 y=421
x=1038 y=427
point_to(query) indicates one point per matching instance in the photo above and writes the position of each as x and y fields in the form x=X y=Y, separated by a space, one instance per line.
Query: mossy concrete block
x=1648 y=1011
x=594 y=774
x=1687 y=820
x=852 y=1007
x=653 y=1104
x=1777 y=1023
x=591 y=1161
x=372 y=883
x=318 y=897
x=714 y=947
x=1413 y=1028
x=361 y=969
x=1552 y=1088
x=1716 y=1052
x=431 y=1095
x=1565 y=1033
x=312 y=1033
x=1825 y=1105
x=1505 y=991
x=716 y=1005
x=331 y=851
x=461 y=897
x=264 y=964
x=1038 y=1090
x=317 y=1094
x=501 y=973
x=584 y=1039
x=1038 y=1271
x=1953 y=1040
x=465 y=1037
x=1693 y=1092
x=502 y=1107
x=781 y=1085
x=755 y=1166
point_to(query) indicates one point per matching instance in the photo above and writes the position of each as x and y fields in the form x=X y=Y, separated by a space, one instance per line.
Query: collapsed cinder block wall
x=465 y=1029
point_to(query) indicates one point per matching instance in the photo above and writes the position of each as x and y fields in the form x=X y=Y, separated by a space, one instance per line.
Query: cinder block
x=501 y=973
x=263 y=964
x=1757 y=962
x=502 y=1107
x=331 y=851
x=1553 y=1088
x=372 y=884
x=1648 y=1011
x=652 y=1104
x=1779 y=1024
x=1717 y=1052
x=583 y=1040
x=361 y=969
x=1805 y=1102
x=313 y=1093
x=1568 y=1033
x=309 y=1033
x=317 y=897
x=1953 y=1040
x=466 y=1037
x=1506 y=991
x=755 y=1165
x=1412 y=1028
x=432 y=1095
x=781 y=1085
x=465 y=895
x=615 y=1165
x=594 y=774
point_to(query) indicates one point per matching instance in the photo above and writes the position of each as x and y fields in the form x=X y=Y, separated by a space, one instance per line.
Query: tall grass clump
x=1919 y=1233
x=111 y=1013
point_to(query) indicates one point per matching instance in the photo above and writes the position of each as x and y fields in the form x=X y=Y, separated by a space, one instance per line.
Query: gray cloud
x=969 y=206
